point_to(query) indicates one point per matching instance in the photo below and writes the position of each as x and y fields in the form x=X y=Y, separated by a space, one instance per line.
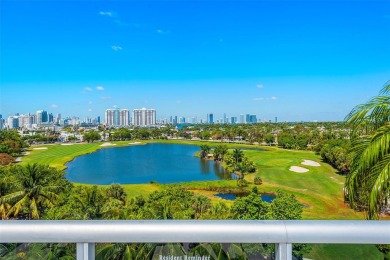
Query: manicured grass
x=58 y=155
x=320 y=190
x=344 y=252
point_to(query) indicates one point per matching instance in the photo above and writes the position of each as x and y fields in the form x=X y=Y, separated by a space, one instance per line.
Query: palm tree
x=223 y=150
x=238 y=155
x=368 y=183
x=205 y=149
x=40 y=185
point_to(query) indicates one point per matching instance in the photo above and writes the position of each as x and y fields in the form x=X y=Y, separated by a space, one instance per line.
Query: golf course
x=320 y=189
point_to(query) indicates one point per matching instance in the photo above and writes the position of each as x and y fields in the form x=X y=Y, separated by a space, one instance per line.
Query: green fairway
x=320 y=189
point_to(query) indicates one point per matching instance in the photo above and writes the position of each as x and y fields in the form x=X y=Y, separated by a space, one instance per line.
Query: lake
x=162 y=163
x=231 y=196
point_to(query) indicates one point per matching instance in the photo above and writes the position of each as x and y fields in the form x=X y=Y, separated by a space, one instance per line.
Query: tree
x=39 y=188
x=285 y=206
x=250 y=207
x=269 y=139
x=6 y=159
x=204 y=151
x=219 y=152
x=91 y=136
x=368 y=184
x=116 y=191
x=201 y=205
x=238 y=155
x=11 y=142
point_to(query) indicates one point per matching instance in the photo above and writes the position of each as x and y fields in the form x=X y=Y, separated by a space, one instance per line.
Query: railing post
x=85 y=251
x=283 y=252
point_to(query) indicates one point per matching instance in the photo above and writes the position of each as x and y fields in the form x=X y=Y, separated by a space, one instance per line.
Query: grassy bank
x=320 y=190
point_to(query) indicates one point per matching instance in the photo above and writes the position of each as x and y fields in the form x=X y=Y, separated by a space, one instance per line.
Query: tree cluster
x=42 y=192
x=11 y=145
x=337 y=153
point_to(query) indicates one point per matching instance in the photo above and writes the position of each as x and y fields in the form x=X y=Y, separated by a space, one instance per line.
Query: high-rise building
x=42 y=117
x=117 y=117
x=112 y=117
x=13 y=122
x=233 y=120
x=242 y=119
x=144 y=117
x=124 y=117
x=2 y=123
x=251 y=119
x=26 y=121
x=210 y=118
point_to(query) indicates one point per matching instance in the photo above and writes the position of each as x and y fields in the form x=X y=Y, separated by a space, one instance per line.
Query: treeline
x=337 y=152
x=42 y=192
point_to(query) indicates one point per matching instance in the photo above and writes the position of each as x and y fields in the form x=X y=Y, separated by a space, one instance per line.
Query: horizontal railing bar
x=181 y=231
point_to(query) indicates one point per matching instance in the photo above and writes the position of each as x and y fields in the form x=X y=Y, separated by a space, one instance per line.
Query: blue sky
x=297 y=60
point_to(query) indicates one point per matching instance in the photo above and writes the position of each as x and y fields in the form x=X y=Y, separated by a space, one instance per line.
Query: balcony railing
x=282 y=233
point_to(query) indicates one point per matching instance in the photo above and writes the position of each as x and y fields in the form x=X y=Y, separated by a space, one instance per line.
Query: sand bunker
x=40 y=148
x=136 y=143
x=66 y=144
x=311 y=163
x=107 y=144
x=298 y=169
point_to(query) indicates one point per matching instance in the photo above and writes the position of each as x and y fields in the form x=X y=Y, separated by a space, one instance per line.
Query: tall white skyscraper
x=144 y=117
x=117 y=117
x=124 y=117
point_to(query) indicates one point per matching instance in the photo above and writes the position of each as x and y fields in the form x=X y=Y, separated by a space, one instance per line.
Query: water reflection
x=162 y=163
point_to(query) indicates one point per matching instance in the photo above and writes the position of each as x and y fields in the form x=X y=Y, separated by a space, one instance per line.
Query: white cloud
x=88 y=89
x=263 y=98
x=100 y=88
x=106 y=13
x=116 y=48
x=90 y=103
x=105 y=97
x=259 y=86
x=54 y=106
x=89 y=110
x=114 y=106
x=160 y=31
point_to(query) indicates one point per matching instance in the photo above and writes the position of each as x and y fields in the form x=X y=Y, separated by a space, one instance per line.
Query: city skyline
x=295 y=60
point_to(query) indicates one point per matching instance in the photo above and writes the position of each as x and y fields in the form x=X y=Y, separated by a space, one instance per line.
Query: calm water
x=231 y=196
x=163 y=163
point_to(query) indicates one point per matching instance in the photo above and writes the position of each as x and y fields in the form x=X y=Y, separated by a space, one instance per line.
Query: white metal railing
x=282 y=233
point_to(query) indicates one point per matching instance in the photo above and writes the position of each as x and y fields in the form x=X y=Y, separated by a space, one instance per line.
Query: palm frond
x=378 y=147
x=386 y=88
x=9 y=198
x=14 y=210
x=34 y=209
x=379 y=192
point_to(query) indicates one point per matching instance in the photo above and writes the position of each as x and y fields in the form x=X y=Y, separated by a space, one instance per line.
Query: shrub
x=258 y=181
x=242 y=183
